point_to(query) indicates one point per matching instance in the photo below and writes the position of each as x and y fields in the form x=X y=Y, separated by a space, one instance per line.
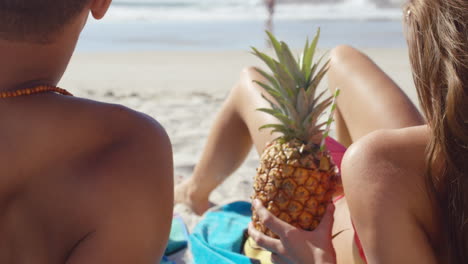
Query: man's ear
x=99 y=8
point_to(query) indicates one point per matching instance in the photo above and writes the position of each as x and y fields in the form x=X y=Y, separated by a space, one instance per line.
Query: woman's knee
x=348 y=65
x=247 y=72
x=245 y=88
x=346 y=59
x=344 y=54
x=249 y=75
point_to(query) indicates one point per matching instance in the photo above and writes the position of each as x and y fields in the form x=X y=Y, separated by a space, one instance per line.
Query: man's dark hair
x=36 y=20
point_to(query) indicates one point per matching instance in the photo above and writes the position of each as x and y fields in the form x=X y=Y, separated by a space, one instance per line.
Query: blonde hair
x=438 y=45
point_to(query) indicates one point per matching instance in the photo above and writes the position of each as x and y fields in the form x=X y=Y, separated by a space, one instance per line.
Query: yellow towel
x=253 y=251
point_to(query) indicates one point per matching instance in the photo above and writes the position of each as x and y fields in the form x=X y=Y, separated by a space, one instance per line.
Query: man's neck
x=25 y=65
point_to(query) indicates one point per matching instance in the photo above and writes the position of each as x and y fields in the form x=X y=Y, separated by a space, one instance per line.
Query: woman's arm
x=385 y=190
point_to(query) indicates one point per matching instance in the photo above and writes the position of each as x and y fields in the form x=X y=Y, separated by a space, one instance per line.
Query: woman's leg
x=230 y=140
x=369 y=99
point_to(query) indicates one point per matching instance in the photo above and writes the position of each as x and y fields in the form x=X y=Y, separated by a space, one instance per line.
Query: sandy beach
x=183 y=91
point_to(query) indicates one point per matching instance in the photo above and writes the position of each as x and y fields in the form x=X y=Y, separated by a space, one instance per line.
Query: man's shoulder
x=120 y=137
x=113 y=122
x=115 y=117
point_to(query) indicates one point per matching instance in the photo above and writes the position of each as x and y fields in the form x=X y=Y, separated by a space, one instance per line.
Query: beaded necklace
x=34 y=90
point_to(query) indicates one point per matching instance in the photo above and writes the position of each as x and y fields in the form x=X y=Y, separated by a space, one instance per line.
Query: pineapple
x=296 y=177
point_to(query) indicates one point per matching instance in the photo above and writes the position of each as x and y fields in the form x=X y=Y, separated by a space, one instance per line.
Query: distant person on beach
x=81 y=181
x=270 y=5
x=405 y=176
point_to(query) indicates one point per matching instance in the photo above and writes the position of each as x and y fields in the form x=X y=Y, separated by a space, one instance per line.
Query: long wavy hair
x=437 y=34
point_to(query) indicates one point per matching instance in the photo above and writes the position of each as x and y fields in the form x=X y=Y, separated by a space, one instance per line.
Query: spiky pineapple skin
x=294 y=184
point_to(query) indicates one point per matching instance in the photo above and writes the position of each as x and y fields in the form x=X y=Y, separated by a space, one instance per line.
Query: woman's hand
x=295 y=245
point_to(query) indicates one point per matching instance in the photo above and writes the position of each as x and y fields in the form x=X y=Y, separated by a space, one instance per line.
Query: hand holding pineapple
x=296 y=177
x=296 y=245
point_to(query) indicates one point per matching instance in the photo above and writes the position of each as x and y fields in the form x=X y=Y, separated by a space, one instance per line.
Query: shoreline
x=235 y=35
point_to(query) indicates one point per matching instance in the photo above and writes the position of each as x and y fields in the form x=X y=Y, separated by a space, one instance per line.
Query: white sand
x=183 y=91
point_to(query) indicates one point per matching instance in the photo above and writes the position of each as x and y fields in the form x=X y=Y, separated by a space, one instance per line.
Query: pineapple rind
x=292 y=186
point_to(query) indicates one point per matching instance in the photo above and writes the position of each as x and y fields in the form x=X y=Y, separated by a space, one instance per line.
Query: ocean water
x=163 y=10
x=238 y=24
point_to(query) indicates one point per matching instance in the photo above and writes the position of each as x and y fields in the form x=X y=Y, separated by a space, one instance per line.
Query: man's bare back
x=65 y=166
x=80 y=181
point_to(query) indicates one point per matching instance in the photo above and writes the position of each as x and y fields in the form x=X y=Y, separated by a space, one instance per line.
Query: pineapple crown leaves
x=292 y=87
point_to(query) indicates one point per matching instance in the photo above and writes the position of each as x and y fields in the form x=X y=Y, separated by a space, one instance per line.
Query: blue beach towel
x=165 y=260
x=178 y=239
x=218 y=237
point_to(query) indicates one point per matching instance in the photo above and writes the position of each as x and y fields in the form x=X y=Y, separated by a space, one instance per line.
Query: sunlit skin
x=81 y=181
